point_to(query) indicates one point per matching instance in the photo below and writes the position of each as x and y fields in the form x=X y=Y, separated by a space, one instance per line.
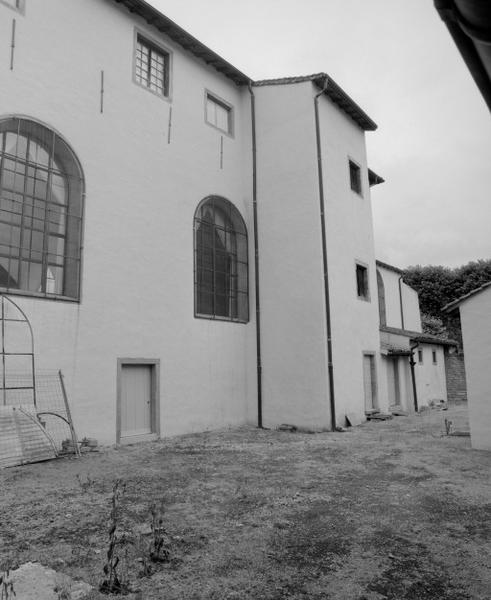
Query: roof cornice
x=333 y=91
x=165 y=25
x=179 y=35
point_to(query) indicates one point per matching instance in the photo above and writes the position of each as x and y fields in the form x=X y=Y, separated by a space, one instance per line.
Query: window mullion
x=149 y=68
x=48 y=200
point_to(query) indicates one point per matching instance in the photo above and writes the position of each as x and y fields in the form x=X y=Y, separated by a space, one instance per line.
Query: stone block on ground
x=33 y=581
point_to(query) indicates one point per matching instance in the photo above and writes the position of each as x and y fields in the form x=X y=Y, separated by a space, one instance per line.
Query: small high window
x=420 y=357
x=220 y=261
x=355 y=177
x=218 y=113
x=362 y=282
x=433 y=354
x=152 y=66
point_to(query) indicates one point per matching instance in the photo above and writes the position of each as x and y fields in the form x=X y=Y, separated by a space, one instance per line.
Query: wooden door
x=136 y=400
x=370 y=383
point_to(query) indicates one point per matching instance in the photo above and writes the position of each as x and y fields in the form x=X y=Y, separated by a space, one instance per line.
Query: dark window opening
x=362 y=282
x=221 y=267
x=355 y=177
x=420 y=357
x=433 y=353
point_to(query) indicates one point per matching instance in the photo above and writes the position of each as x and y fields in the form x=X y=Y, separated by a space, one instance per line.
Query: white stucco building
x=414 y=361
x=192 y=248
x=475 y=313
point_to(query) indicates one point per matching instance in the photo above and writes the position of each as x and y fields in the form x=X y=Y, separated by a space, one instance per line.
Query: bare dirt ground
x=394 y=510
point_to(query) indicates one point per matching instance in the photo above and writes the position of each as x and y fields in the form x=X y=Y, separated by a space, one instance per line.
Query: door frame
x=154 y=363
x=374 y=381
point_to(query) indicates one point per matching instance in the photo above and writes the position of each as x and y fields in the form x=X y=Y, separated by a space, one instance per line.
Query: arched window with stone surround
x=220 y=261
x=41 y=211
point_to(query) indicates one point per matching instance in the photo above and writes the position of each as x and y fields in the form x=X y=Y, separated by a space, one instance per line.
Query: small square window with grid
x=151 y=66
x=355 y=177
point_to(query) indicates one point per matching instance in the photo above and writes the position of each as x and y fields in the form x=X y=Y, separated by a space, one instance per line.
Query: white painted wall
x=293 y=315
x=137 y=285
x=294 y=351
x=475 y=315
x=410 y=302
x=355 y=322
x=431 y=383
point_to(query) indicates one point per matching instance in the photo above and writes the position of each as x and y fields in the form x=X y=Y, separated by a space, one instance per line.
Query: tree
x=437 y=286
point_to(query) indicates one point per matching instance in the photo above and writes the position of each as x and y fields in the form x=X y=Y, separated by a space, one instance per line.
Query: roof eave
x=374 y=179
x=472 y=41
x=333 y=91
x=165 y=25
x=451 y=306
x=345 y=102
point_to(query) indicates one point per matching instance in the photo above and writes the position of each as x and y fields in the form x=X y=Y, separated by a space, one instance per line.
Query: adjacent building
x=414 y=361
x=475 y=313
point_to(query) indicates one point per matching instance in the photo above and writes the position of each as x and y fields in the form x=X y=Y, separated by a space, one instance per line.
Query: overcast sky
x=396 y=59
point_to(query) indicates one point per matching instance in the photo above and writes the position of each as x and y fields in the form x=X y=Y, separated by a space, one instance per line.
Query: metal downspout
x=256 y=264
x=412 y=363
x=400 y=303
x=330 y=369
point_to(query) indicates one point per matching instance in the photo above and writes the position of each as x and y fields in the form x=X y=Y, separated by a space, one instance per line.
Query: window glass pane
x=34 y=214
x=222 y=117
x=218 y=114
x=220 y=267
x=151 y=66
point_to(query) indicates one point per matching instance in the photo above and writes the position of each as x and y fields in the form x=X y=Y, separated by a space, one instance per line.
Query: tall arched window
x=381 y=299
x=220 y=261
x=41 y=210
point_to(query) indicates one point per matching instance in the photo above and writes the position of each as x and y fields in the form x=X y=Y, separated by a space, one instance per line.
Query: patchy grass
x=388 y=510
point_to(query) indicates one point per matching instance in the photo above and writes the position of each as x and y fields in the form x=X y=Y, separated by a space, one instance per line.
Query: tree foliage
x=437 y=286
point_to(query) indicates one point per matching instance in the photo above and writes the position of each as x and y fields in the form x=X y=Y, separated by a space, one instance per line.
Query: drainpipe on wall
x=256 y=264
x=324 y=257
x=412 y=363
x=400 y=302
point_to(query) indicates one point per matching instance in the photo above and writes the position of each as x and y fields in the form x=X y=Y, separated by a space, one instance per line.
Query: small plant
x=448 y=426
x=143 y=557
x=6 y=585
x=114 y=582
x=159 y=550
x=63 y=588
x=85 y=484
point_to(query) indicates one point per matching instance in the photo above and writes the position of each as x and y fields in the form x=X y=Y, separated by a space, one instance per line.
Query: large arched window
x=41 y=209
x=220 y=261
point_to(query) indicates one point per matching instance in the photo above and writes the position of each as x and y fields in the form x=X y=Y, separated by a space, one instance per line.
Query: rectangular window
x=362 y=282
x=218 y=113
x=420 y=357
x=355 y=177
x=151 y=66
x=433 y=353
